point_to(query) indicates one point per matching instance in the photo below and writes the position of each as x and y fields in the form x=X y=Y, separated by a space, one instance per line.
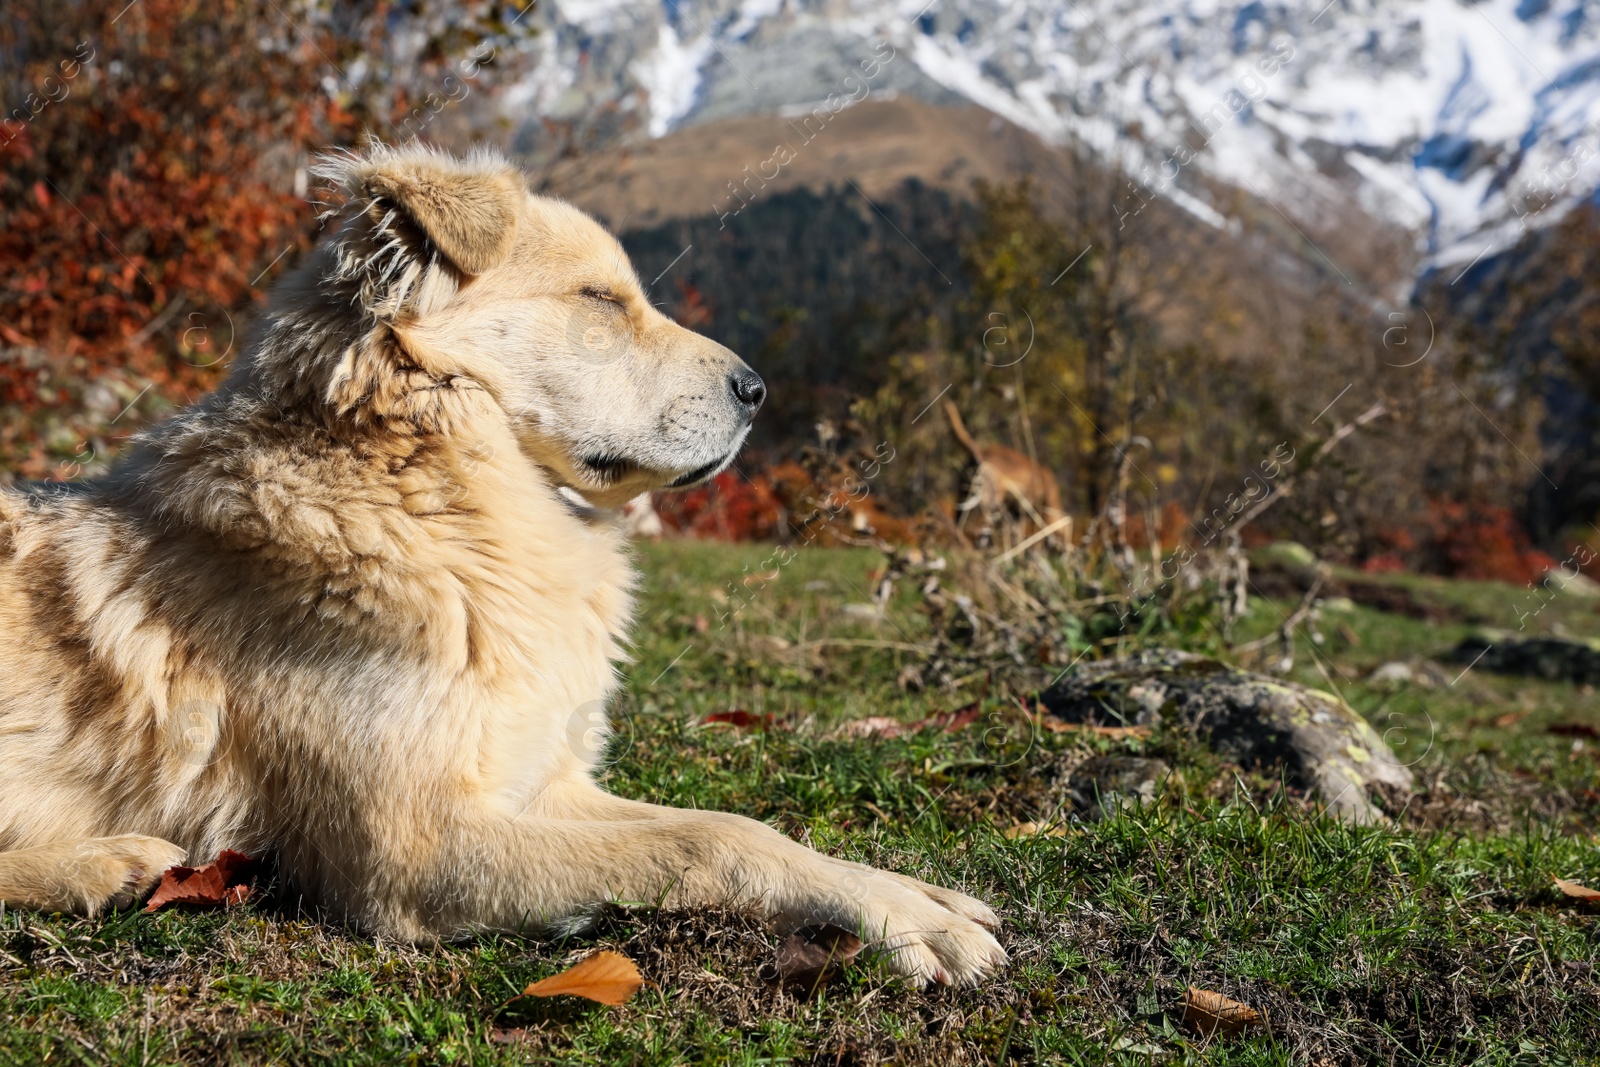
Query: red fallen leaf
x=949 y=721
x=963 y=717
x=220 y=883
x=960 y=719
x=1573 y=729
x=814 y=955
x=740 y=718
x=1212 y=1013
x=606 y=977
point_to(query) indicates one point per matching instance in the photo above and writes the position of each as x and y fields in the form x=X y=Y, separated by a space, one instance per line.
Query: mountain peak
x=1461 y=123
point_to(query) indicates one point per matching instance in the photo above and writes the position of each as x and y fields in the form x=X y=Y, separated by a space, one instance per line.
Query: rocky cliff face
x=1463 y=124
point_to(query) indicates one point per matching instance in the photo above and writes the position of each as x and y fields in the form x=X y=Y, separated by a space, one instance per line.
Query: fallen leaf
x=607 y=977
x=949 y=721
x=1579 y=892
x=1574 y=729
x=1510 y=718
x=740 y=718
x=813 y=955
x=220 y=883
x=1212 y=1013
x=963 y=717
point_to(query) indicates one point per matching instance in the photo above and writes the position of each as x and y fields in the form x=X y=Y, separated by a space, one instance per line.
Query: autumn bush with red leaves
x=153 y=185
x=1477 y=541
x=134 y=207
x=730 y=507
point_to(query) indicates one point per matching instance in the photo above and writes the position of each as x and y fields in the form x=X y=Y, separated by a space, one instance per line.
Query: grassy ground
x=1436 y=941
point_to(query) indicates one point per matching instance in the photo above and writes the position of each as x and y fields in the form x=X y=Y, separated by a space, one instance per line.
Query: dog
x=340 y=610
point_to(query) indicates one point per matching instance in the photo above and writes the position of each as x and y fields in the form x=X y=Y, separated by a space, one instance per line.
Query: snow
x=751 y=15
x=594 y=15
x=1448 y=115
x=960 y=72
x=671 y=77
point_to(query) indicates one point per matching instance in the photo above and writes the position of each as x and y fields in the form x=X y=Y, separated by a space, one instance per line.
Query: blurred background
x=1157 y=251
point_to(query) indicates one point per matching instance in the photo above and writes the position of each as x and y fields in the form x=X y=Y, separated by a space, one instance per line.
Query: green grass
x=1436 y=941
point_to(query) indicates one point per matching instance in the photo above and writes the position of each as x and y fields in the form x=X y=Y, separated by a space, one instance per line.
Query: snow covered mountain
x=1460 y=122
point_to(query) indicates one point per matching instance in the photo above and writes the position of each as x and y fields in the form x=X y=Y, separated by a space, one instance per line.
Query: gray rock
x=1100 y=785
x=1577 y=584
x=1285 y=553
x=1555 y=659
x=1322 y=745
x=1394 y=674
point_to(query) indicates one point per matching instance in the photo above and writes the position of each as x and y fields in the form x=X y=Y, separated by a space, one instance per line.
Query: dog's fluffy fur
x=341 y=610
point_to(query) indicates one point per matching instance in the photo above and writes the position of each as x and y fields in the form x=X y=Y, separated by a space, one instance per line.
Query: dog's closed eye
x=595 y=292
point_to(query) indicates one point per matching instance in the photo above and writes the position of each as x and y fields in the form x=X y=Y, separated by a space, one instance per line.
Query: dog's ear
x=468 y=213
x=417 y=221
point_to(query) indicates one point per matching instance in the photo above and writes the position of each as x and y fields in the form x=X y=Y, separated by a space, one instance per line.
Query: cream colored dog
x=340 y=608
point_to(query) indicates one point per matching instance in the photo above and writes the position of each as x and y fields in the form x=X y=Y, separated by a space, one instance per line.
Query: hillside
x=1440 y=117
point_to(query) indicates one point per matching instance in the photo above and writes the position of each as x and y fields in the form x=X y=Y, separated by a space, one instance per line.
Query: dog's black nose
x=748 y=389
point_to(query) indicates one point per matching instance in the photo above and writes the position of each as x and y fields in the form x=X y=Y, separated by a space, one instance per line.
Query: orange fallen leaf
x=1578 y=892
x=607 y=977
x=221 y=883
x=1212 y=1013
x=813 y=955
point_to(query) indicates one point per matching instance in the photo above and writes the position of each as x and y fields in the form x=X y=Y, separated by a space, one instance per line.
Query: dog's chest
x=547 y=649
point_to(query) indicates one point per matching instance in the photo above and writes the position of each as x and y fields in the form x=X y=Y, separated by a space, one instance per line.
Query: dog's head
x=472 y=277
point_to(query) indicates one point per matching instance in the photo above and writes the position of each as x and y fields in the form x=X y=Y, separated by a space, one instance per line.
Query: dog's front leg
x=541 y=870
x=85 y=876
x=580 y=797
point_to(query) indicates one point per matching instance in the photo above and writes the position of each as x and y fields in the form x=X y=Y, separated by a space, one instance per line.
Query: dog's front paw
x=931 y=934
x=114 y=871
